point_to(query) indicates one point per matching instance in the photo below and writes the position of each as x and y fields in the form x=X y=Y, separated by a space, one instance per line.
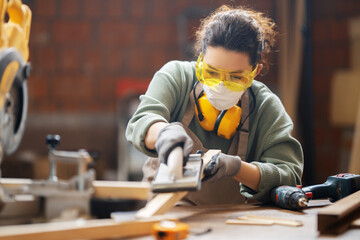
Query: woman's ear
x=259 y=69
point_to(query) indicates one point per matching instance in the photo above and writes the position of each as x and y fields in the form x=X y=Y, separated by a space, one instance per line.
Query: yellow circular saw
x=14 y=71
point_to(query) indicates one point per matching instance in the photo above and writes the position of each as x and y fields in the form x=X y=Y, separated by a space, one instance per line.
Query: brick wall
x=80 y=49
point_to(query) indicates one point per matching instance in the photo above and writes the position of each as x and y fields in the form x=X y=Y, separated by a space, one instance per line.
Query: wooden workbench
x=201 y=218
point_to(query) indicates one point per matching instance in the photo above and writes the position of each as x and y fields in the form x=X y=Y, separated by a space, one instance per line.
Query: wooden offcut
x=79 y=229
x=337 y=218
x=163 y=202
x=121 y=190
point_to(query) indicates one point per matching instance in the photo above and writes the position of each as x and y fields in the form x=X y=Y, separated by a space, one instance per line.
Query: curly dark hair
x=237 y=29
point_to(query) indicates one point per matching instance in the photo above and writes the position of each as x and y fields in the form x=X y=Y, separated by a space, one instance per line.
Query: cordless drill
x=335 y=188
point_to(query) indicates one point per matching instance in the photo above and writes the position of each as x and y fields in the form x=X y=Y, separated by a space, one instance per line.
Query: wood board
x=337 y=217
x=79 y=229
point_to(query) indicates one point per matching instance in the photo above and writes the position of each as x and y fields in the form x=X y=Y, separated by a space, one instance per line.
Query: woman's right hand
x=170 y=137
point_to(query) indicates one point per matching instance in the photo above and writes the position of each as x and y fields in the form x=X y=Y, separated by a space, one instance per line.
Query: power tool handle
x=319 y=191
x=335 y=187
x=175 y=163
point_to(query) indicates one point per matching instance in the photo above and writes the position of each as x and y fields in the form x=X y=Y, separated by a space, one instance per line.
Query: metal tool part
x=168 y=180
x=58 y=194
x=289 y=197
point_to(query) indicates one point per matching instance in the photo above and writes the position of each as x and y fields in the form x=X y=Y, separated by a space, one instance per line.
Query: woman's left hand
x=222 y=165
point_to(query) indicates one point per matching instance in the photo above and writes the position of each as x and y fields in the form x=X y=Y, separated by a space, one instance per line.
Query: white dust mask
x=221 y=97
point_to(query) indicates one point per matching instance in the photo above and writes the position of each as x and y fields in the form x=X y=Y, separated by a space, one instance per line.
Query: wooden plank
x=102 y=189
x=337 y=217
x=80 y=229
x=163 y=202
x=121 y=190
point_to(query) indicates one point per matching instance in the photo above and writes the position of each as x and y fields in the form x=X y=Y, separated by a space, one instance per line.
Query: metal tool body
x=173 y=176
x=57 y=195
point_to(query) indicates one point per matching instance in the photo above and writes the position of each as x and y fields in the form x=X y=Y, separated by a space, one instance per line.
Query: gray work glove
x=220 y=166
x=170 y=137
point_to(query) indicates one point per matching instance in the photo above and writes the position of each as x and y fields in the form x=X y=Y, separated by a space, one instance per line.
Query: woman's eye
x=238 y=78
x=211 y=73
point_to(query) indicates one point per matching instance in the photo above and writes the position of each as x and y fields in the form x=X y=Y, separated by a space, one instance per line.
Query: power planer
x=174 y=176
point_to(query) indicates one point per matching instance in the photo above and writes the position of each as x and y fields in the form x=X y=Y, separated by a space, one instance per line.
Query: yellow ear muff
x=224 y=123
x=229 y=122
x=210 y=113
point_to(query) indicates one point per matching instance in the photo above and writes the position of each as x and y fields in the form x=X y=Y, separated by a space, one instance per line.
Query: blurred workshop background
x=91 y=59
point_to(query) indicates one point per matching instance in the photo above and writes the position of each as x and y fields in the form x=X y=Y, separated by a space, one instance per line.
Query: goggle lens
x=211 y=76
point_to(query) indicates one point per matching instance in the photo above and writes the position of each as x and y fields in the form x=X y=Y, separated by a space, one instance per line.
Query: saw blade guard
x=14 y=111
x=14 y=71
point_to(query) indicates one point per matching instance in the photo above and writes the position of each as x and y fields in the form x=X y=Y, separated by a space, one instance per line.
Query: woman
x=215 y=103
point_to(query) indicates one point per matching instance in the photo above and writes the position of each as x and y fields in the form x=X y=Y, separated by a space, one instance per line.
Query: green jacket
x=271 y=147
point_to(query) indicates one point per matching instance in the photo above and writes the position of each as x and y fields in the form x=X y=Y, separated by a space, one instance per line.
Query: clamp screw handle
x=52 y=141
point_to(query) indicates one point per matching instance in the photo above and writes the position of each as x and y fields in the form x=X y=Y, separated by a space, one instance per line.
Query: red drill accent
x=309 y=195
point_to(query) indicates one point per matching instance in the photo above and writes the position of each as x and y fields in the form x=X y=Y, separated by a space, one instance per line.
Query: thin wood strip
x=248 y=222
x=256 y=219
x=280 y=221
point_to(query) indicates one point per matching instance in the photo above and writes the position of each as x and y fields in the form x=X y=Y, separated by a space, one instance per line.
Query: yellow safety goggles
x=233 y=80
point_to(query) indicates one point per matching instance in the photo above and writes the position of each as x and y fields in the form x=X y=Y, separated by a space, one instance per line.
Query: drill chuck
x=303 y=202
x=289 y=197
